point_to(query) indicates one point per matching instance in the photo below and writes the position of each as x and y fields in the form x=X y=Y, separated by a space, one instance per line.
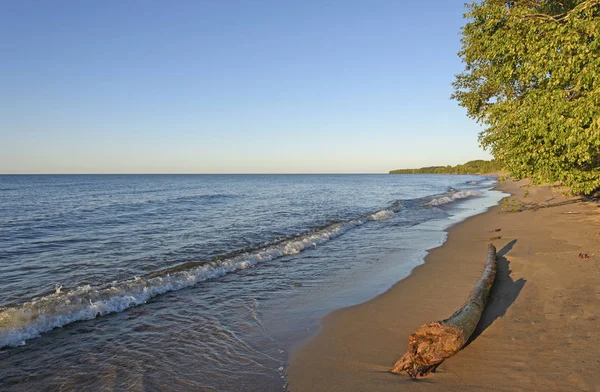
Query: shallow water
x=200 y=282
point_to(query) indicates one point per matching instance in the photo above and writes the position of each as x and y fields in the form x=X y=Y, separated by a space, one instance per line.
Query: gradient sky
x=225 y=86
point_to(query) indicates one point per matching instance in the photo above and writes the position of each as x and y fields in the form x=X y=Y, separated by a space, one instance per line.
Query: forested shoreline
x=479 y=166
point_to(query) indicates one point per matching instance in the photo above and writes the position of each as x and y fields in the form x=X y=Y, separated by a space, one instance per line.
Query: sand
x=539 y=332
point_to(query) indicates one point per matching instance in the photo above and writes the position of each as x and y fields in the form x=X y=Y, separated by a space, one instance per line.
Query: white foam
x=452 y=196
x=29 y=320
x=382 y=215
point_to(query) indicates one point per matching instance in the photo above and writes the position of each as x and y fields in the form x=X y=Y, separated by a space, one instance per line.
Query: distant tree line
x=532 y=79
x=472 y=167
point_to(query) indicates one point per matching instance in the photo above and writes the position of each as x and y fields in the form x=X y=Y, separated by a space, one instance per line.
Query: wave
x=30 y=319
x=382 y=215
x=452 y=195
x=204 y=197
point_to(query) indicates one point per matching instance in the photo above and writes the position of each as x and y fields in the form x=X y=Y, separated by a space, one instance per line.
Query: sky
x=224 y=86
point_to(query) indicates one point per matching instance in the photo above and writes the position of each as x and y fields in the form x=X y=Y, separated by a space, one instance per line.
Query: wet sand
x=540 y=330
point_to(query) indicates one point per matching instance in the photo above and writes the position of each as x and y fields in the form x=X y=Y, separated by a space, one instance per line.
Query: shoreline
x=356 y=346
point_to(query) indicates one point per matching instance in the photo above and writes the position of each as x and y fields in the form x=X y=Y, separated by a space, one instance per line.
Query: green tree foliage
x=472 y=167
x=532 y=78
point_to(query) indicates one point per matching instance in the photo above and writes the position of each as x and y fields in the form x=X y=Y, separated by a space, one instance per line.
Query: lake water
x=200 y=282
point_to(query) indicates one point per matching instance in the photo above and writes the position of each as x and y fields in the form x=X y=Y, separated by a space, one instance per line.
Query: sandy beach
x=539 y=332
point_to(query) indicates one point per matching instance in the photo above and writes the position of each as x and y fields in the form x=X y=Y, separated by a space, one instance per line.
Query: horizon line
x=182 y=174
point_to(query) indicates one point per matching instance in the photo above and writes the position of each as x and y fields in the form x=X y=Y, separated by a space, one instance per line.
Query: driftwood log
x=433 y=343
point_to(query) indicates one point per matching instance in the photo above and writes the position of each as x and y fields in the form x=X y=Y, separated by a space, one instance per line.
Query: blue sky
x=229 y=86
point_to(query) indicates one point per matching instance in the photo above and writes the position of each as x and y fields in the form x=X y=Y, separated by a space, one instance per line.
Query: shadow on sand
x=504 y=292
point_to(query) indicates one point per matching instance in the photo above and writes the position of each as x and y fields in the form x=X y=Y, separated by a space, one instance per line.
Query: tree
x=532 y=79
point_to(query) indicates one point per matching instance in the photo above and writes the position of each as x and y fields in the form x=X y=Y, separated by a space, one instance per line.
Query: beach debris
x=435 y=342
x=584 y=256
x=496 y=230
x=495 y=238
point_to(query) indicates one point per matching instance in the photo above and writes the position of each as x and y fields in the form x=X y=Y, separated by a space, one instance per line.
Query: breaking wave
x=29 y=320
x=451 y=196
x=382 y=215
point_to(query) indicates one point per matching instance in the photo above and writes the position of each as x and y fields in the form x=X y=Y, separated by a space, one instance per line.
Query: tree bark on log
x=433 y=343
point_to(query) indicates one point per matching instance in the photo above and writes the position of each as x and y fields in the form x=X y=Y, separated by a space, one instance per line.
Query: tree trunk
x=432 y=343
